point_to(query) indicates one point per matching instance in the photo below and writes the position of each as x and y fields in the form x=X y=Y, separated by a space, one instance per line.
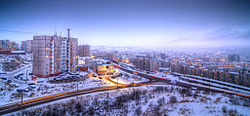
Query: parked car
x=4 y=78
x=193 y=88
x=30 y=88
x=32 y=84
x=26 y=90
x=20 y=90
x=58 y=78
x=40 y=81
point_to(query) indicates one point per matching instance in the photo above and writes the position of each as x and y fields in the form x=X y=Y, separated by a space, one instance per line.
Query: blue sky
x=144 y=23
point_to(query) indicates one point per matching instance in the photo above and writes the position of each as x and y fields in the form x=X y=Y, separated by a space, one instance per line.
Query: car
x=193 y=88
x=32 y=84
x=30 y=88
x=9 y=81
x=70 y=73
x=40 y=81
x=4 y=78
x=68 y=77
x=26 y=90
x=20 y=90
x=100 y=77
x=58 y=78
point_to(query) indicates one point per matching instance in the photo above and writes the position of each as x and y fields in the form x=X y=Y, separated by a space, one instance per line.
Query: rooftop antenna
x=55 y=33
x=68 y=33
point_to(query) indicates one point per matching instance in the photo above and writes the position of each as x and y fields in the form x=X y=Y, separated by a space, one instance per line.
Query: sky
x=141 y=23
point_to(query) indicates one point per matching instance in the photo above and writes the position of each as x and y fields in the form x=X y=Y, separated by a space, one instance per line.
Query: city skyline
x=131 y=23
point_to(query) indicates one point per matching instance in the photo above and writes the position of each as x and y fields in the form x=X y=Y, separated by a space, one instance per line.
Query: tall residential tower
x=53 y=55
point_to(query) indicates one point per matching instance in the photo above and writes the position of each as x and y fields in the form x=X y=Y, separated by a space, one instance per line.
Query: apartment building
x=23 y=45
x=7 y=45
x=84 y=50
x=144 y=62
x=53 y=55
x=29 y=46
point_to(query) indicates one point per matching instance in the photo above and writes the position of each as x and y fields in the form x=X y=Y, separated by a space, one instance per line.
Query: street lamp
x=77 y=83
x=117 y=82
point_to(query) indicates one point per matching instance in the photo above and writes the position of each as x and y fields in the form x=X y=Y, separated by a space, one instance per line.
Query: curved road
x=182 y=84
x=29 y=103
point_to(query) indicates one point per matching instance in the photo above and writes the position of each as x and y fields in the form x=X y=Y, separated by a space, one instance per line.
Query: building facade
x=23 y=45
x=145 y=63
x=234 y=58
x=84 y=50
x=29 y=46
x=53 y=55
x=7 y=45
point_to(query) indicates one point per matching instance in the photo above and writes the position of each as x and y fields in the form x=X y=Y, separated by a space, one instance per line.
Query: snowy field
x=146 y=101
x=128 y=78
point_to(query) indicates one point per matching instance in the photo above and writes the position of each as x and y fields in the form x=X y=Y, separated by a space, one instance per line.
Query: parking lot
x=66 y=77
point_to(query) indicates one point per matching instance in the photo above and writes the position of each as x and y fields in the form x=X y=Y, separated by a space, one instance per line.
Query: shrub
x=138 y=111
x=172 y=99
x=232 y=112
x=224 y=109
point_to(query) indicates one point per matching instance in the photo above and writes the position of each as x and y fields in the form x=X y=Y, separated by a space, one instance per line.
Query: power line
x=13 y=31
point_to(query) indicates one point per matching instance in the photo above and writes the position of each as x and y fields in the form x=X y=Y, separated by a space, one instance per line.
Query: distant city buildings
x=233 y=58
x=53 y=55
x=228 y=68
x=84 y=50
x=7 y=46
x=142 y=61
x=23 y=45
x=27 y=46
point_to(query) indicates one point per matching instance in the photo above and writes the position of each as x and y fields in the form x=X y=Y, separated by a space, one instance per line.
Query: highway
x=5 y=109
x=182 y=83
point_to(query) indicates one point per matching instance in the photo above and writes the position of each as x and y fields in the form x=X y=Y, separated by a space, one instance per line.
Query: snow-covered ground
x=9 y=94
x=151 y=100
x=22 y=60
x=127 y=78
x=176 y=78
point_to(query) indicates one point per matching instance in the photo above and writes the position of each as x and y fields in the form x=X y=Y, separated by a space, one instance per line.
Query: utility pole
x=117 y=82
x=22 y=103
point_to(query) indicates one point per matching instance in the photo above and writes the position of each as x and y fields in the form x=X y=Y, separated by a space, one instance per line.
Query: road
x=11 y=75
x=182 y=84
x=37 y=101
